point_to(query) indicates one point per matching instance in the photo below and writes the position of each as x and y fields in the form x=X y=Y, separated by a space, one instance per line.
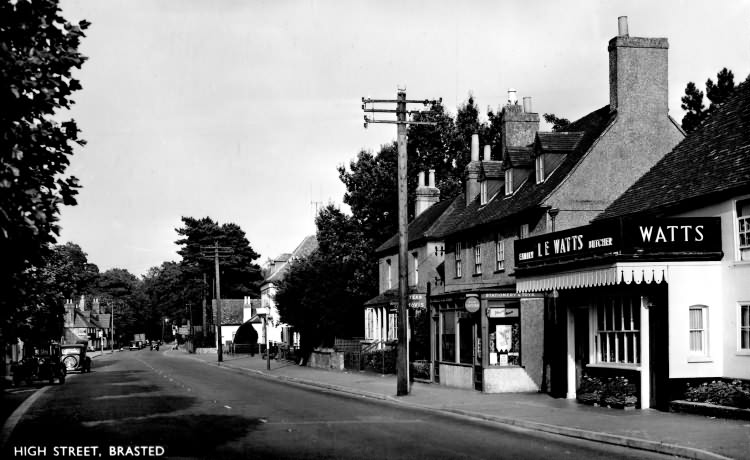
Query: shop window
x=743 y=229
x=744 y=324
x=458 y=260
x=617 y=338
x=448 y=336
x=466 y=340
x=477 y=258
x=504 y=338
x=698 y=333
x=499 y=254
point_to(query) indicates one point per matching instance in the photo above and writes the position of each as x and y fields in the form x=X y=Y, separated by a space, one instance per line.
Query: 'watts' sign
x=670 y=236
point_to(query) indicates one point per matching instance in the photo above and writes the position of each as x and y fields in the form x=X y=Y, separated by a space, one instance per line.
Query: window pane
x=745 y=340
x=466 y=340
x=745 y=315
x=696 y=318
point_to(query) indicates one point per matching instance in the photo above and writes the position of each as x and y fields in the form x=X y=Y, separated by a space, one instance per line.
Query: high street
x=140 y=402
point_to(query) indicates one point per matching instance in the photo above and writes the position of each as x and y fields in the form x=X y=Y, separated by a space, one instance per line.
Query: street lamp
x=164 y=324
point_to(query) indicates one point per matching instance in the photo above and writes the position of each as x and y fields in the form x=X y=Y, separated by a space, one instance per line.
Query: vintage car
x=74 y=358
x=43 y=365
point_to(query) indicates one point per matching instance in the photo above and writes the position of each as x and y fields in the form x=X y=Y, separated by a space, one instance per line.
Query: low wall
x=456 y=376
x=326 y=358
x=508 y=380
x=204 y=351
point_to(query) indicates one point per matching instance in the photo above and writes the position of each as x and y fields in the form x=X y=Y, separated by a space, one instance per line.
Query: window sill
x=502 y=270
x=743 y=353
x=699 y=359
x=475 y=275
x=451 y=363
x=630 y=367
x=499 y=366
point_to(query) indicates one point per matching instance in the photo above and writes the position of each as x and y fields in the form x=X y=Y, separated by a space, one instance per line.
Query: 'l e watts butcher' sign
x=678 y=236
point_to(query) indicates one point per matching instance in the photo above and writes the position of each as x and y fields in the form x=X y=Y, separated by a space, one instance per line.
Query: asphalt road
x=180 y=408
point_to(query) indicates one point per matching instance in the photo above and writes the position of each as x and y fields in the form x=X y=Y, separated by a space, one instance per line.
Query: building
x=81 y=324
x=279 y=332
x=424 y=273
x=234 y=314
x=657 y=289
x=487 y=335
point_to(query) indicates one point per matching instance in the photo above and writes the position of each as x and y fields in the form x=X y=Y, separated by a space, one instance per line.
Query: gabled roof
x=530 y=195
x=304 y=249
x=709 y=165
x=557 y=142
x=425 y=226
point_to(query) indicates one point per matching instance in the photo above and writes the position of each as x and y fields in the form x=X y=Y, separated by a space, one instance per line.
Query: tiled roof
x=562 y=142
x=530 y=194
x=709 y=165
x=231 y=310
x=491 y=169
x=519 y=157
x=424 y=226
x=304 y=249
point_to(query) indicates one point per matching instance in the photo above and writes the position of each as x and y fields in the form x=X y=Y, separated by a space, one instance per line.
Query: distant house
x=279 y=332
x=657 y=289
x=87 y=325
x=235 y=313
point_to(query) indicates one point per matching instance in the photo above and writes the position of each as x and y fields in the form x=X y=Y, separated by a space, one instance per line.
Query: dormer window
x=539 y=163
x=483 y=192
x=509 y=181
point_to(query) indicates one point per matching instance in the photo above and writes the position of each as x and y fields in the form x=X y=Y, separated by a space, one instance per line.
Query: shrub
x=383 y=361
x=420 y=369
x=615 y=392
x=734 y=394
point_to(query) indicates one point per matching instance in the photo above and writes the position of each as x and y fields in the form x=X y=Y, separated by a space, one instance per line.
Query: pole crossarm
x=402 y=357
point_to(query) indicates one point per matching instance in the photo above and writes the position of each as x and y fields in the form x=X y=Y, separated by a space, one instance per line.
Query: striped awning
x=619 y=273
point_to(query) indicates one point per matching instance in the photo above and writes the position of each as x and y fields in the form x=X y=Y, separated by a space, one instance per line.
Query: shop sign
x=502 y=312
x=668 y=236
x=415 y=301
x=471 y=304
x=184 y=330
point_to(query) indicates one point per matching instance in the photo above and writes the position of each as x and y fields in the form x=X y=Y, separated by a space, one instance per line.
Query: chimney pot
x=527 y=104
x=487 y=153
x=622 y=26
x=420 y=179
x=432 y=178
x=475 y=147
x=512 y=97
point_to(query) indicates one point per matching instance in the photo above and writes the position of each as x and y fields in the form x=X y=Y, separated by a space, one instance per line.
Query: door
x=659 y=354
x=581 y=352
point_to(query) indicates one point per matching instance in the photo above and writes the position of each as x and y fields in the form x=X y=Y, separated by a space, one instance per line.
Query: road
x=183 y=408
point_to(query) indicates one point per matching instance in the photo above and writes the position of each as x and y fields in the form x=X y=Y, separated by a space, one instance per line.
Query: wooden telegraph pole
x=402 y=362
x=218 y=251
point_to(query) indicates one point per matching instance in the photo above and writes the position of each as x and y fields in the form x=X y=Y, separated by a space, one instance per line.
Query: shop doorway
x=581 y=352
x=659 y=354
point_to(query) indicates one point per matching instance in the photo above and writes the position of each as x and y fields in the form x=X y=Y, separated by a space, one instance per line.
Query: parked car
x=41 y=366
x=74 y=358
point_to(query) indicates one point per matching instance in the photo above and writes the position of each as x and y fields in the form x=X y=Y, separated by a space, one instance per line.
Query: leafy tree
x=692 y=101
x=121 y=292
x=38 y=50
x=167 y=295
x=240 y=276
x=558 y=124
x=69 y=270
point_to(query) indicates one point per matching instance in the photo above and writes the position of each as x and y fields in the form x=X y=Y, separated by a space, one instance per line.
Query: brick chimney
x=518 y=124
x=637 y=74
x=427 y=193
x=471 y=173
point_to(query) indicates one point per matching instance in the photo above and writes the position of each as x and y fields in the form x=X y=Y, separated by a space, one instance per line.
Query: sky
x=242 y=110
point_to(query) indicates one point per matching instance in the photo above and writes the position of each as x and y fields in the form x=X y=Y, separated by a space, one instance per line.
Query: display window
x=504 y=334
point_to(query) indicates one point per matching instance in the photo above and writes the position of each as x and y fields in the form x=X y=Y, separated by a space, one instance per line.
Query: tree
x=121 y=292
x=167 y=294
x=692 y=101
x=38 y=50
x=240 y=276
x=558 y=124
x=69 y=270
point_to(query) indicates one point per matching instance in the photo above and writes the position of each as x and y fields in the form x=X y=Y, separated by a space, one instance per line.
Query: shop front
x=625 y=302
x=484 y=340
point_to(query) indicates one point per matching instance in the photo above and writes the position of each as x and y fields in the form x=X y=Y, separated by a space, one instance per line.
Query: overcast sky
x=242 y=110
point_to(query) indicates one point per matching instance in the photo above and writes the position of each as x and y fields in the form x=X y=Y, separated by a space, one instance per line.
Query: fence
x=352 y=349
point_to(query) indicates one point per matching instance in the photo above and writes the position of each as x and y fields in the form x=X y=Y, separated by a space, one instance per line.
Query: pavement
x=678 y=434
